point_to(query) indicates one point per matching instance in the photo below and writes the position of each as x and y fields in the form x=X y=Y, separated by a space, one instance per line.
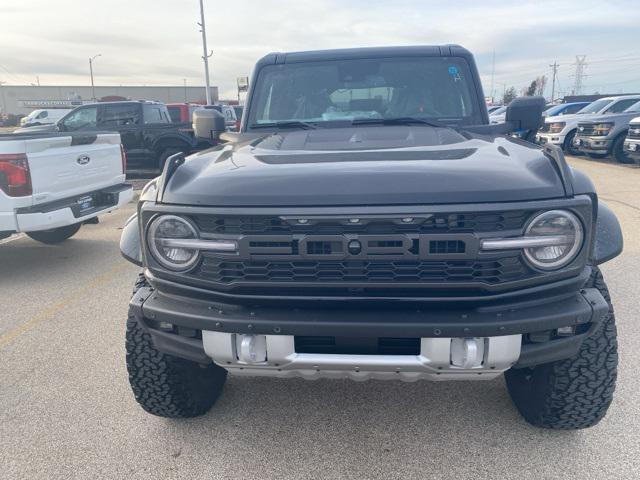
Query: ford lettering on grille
x=359 y=247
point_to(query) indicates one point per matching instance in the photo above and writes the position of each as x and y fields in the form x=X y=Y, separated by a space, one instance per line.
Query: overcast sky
x=157 y=42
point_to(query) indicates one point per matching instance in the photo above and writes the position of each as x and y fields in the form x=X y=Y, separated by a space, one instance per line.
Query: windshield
x=555 y=110
x=440 y=89
x=596 y=106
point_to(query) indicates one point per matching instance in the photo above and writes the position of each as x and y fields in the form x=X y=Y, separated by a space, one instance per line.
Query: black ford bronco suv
x=368 y=222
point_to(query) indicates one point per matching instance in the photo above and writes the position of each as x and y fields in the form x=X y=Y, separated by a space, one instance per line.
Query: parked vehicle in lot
x=632 y=142
x=51 y=183
x=606 y=135
x=493 y=108
x=43 y=117
x=564 y=109
x=148 y=135
x=498 y=115
x=561 y=130
x=232 y=114
x=182 y=112
x=369 y=222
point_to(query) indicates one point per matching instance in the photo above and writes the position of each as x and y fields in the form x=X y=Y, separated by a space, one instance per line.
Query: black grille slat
x=437 y=223
x=493 y=271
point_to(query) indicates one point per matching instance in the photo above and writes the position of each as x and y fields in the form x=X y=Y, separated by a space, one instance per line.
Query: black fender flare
x=608 y=235
x=130 y=241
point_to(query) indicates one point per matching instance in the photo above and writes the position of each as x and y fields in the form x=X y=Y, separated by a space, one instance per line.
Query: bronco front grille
x=367 y=251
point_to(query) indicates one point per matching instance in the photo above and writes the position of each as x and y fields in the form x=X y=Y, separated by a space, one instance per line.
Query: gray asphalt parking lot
x=66 y=410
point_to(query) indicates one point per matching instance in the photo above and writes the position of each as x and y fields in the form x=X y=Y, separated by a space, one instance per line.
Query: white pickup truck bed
x=52 y=181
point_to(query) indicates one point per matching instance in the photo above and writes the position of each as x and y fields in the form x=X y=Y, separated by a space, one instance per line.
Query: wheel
x=568 y=146
x=576 y=392
x=597 y=156
x=617 y=150
x=55 y=235
x=165 y=385
x=166 y=153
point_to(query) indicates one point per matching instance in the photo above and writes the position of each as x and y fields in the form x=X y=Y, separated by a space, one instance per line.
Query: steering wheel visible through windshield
x=325 y=92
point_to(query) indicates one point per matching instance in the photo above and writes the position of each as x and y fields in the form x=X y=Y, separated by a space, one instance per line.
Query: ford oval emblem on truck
x=83 y=159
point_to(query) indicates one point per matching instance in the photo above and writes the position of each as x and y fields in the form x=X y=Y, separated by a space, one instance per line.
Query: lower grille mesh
x=452 y=271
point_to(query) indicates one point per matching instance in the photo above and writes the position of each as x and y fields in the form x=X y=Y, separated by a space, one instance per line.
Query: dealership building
x=22 y=99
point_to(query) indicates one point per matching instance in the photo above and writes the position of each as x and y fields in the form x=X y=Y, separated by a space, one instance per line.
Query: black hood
x=365 y=166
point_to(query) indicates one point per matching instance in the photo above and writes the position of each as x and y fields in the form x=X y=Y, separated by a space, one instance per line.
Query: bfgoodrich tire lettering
x=168 y=386
x=576 y=392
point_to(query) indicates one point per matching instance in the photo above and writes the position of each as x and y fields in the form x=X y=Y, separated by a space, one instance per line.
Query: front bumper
x=592 y=144
x=178 y=326
x=632 y=148
x=551 y=138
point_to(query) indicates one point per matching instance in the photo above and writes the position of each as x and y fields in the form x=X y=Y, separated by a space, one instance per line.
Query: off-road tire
x=165 y=385
x=55 y=235
x=617 y=151
x=569 y=148
x=576 y=392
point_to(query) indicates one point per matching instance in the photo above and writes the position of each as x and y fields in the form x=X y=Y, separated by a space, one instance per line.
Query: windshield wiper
x=399 y=121
x=285 y=124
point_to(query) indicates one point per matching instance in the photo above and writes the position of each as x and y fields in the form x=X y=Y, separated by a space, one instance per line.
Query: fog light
x=467 y=352
x=566 y=331
x=251 y=348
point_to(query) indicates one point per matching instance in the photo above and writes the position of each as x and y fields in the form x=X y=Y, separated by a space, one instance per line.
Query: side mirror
x=525 y=113
x=208 y=124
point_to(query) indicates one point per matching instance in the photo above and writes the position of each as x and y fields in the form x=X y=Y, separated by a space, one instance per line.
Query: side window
x=174 y=112
x=43 y=114
x=571 y=109
x=120 y=115
x=81 y=119
x=155 y=114
x=620 y=106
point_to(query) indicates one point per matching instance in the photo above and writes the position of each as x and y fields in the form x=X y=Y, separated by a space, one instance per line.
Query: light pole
x=93 y=89
x=205 y=56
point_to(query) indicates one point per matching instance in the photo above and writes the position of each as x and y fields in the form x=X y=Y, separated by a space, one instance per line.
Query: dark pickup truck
x=146 y=130
x=368 y=222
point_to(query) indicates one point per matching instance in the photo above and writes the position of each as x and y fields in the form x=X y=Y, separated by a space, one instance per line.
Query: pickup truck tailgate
x=66 y=166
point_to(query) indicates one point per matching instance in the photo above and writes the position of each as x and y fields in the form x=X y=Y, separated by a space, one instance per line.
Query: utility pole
x=38 y=80
x=4 y=104
x=93 y=88
x=205 y=56
x=185 y=89
x=579 y=75
x=553 y=79
x=493 y=72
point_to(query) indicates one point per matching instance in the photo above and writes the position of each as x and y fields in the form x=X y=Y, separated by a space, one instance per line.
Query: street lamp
x=93 y=90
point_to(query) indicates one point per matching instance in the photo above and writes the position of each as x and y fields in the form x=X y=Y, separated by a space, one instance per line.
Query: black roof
x=366 y=52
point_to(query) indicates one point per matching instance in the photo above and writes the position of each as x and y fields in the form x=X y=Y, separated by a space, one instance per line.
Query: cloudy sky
x=157 y=42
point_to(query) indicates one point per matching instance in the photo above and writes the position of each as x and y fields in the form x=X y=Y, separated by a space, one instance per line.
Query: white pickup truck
x=51 y=183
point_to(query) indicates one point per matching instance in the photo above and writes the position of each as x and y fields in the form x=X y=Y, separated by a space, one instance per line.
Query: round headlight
x=163 y=238
x=565 y=235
